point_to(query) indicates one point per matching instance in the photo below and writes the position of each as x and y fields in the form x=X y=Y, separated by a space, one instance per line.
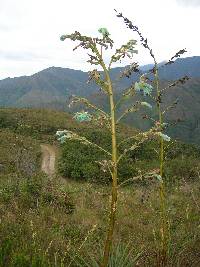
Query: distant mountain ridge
x=51 y=87
x=52 y=84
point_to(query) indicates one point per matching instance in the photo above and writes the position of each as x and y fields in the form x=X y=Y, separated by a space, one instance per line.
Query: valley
x=51 y=88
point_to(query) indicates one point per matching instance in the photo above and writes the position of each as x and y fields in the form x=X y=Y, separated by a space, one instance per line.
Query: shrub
x=181 y=167
x=81 y=162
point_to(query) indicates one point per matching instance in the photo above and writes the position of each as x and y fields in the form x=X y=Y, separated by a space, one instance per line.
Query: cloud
x=30 y=31
x=189 y=3
x=20 y=56
x=4 y=28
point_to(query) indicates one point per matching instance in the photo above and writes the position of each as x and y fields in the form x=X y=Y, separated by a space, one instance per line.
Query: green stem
x=131 y=109
x=113 y=207
x=90 y=105
x=99 y=147
x=114 y=193
x=164 y=220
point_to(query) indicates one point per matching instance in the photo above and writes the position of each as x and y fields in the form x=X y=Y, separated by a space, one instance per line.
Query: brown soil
x=48 y=159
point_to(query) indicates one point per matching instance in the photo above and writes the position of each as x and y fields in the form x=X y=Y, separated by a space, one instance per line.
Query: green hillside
x=41 y=125
x=52 y=87
x=61 y=220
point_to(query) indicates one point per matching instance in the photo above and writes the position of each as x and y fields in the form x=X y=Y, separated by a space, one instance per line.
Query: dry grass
x=48 y=225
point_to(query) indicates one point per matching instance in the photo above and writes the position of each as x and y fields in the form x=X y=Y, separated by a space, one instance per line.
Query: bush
x=178 y=149
x=81 y=162
x=37 y=188
x=10 y=257
x=181 y=167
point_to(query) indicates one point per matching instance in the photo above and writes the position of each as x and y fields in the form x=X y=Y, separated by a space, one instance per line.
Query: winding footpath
x=48 y=159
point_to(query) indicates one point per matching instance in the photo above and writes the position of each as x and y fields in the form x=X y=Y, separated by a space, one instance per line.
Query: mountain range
x=50 y=88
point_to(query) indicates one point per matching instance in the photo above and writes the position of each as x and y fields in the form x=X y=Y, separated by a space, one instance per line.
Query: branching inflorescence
x=96 y=47
x=164 y=229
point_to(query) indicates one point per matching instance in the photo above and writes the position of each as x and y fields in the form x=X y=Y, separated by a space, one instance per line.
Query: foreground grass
x=54 y=222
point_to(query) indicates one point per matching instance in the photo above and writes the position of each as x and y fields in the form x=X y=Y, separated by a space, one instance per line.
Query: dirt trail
x=48 y=159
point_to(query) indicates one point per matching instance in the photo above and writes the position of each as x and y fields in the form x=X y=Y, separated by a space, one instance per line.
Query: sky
x=30 y=31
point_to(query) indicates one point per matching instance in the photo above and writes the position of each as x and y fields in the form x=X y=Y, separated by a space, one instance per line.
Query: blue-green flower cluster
x=63 y=135
x=164 y=137
x=63 y=37
x=130 y=47
x=104 y=32
x=158 y=177
x=165 y=124
x=146 y=104
x=143 y=87
x=82 y=116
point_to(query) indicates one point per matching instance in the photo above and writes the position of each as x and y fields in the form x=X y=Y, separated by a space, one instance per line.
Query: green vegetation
x=97 y=46
x=82 y=162
x=52 y=222
x=18 y=154
x=39 y=124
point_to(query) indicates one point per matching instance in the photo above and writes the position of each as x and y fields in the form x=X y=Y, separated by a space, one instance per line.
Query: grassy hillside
x=51 y=221
x=41 y=125
x=18 y=154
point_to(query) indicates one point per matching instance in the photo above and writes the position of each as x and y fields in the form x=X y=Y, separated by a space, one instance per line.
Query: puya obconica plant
x=163 y=250
x=96 y=47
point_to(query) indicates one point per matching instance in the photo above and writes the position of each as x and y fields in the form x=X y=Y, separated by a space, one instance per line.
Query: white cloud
x=30 y=30
x=189 y=3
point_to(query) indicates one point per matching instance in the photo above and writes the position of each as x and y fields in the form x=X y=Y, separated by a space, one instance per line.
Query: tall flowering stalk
x=96 y=48
x=164 y=227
